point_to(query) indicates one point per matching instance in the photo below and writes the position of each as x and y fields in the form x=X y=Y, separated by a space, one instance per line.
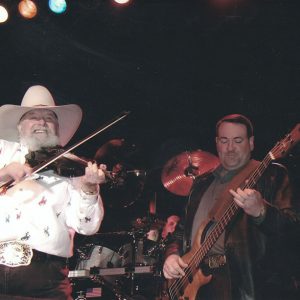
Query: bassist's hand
x=251 y=201
x=173 y=267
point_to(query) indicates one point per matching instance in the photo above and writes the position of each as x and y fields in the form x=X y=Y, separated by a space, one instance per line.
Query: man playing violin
x=41 y=212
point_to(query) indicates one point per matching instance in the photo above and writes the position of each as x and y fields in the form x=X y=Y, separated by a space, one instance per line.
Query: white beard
x=34 y=143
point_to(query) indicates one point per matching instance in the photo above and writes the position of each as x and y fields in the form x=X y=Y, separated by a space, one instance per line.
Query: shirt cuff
x=89 y=197
x=259 y=219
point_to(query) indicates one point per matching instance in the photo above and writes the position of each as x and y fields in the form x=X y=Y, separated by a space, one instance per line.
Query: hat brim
x=69 y=118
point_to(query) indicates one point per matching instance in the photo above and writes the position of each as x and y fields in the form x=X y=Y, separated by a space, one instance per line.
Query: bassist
x=241 y=262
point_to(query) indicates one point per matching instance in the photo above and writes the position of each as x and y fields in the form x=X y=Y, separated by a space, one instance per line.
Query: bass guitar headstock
x=286 y=144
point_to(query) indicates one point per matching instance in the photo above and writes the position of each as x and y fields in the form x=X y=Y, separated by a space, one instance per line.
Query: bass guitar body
x=187 y=289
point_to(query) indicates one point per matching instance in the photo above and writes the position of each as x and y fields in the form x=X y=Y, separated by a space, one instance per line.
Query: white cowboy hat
x=37 y=96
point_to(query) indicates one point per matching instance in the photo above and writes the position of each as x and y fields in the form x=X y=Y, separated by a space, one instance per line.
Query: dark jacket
x=255 y=248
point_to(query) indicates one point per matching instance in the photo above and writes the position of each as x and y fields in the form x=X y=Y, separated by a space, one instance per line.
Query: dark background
x=177 y=65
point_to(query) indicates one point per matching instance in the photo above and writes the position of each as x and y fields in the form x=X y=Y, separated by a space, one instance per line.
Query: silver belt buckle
x=216 y=261
x=15 y=254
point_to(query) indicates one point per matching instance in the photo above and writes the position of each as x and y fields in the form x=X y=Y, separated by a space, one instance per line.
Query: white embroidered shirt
x=45 y=210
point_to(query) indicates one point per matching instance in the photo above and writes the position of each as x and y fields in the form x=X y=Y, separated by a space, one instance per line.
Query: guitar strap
x=225 y=198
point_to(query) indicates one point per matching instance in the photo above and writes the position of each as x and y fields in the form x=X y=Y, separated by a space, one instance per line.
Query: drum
x=100 y=257
x=110 y=278
x=107 y=263
x=100 y=250
x=138 y=257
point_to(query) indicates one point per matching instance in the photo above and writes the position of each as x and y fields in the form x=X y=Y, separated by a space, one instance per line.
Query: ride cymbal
x=180 y=171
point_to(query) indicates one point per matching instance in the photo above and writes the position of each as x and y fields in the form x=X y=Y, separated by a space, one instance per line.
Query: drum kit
x=127 y=264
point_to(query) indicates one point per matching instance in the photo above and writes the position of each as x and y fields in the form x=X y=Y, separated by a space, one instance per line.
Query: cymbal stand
x=135 y=245
x=116 y=291
x=81 y=296
x=136 y=257
x=114 y=288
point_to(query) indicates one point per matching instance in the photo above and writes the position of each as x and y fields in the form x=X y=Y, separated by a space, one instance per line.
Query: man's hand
x=251 y=201
x=15 y=171
x=93 y=176
x=173 y=267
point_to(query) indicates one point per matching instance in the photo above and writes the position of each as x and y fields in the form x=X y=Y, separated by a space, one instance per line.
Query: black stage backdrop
x=177 y=65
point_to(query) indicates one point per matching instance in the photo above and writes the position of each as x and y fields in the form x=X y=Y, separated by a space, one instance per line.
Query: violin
x=68 y=165
x=59 y=160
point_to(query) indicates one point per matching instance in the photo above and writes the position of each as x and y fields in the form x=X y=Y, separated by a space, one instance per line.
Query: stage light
x=223 y=3
x=58 y=6
x=3 y=14
x=122 y=1
x=27 y=9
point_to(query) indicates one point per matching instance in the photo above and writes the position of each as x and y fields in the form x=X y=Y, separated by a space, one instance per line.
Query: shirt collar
x=224 y=175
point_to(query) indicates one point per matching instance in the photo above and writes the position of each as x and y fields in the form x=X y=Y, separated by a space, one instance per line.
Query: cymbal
x=180 y=171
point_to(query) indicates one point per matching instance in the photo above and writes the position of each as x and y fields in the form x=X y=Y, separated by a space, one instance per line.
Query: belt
x=215 y=261
x=42 y=257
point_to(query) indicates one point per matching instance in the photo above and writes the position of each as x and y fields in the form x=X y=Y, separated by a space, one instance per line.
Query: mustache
x=230 y=153
x=40 y=128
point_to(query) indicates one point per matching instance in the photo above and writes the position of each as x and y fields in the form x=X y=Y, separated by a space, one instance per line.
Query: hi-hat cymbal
x=180 y=171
